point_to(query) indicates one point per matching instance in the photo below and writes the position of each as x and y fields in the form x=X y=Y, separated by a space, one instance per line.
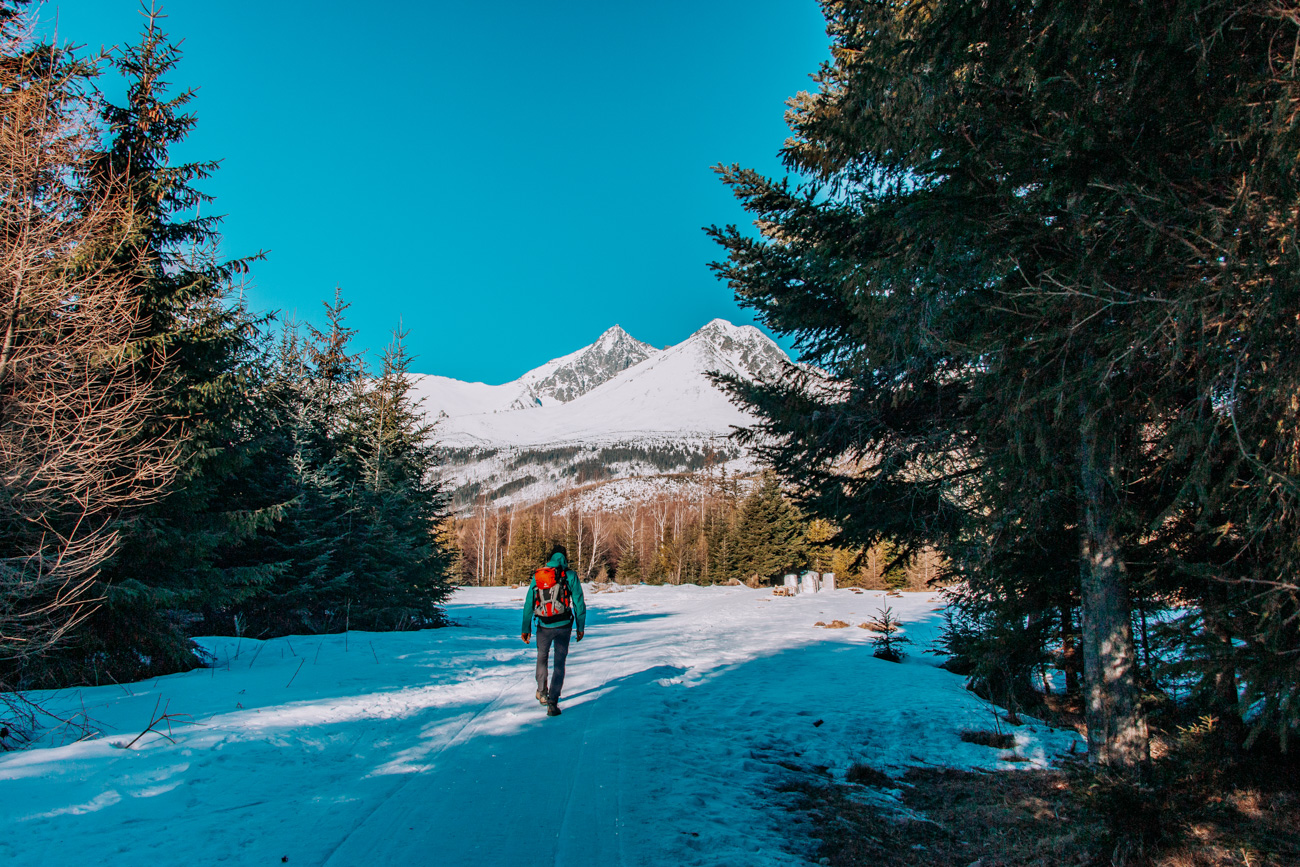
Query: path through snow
x=429 y=748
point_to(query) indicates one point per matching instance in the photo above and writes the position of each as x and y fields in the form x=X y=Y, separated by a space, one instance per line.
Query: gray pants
x=547 y=636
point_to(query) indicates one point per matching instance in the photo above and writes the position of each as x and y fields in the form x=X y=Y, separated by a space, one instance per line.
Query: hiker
x=555 y=599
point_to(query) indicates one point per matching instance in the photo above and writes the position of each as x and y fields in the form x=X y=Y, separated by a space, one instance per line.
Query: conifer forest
x=1042 y=276
x=174 y=463
x=1038 y=268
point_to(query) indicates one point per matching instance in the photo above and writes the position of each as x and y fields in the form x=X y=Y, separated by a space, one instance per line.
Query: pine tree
x=887 y=640
x=528 y=550
x=629 y=566
x=308 y=588
x=364 y=542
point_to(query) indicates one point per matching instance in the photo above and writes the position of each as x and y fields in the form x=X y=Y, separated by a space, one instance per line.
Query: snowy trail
x=682 y=706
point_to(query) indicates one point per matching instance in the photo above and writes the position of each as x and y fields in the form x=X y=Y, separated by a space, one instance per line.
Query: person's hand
x=527 y=636
x=580 y=634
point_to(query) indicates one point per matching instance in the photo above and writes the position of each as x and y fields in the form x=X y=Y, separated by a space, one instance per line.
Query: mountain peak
x=611 y=337
x=742 y=348
x=575 y=374
x=719 y=324
x=720 y=329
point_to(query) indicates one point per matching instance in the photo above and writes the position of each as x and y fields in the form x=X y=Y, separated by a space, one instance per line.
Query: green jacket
x=575 y=592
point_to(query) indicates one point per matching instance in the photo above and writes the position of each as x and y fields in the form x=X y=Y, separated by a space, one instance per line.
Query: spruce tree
x=528 y=549
x=317 y=381
x=362 y=543
x=1039 y=268
x=184 y=554
x=399 y=572
x=307 y=586
x=769 y=537
x=629 y=566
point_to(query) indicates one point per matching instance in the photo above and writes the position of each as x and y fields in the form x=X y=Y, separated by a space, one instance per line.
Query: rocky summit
x=572 y=376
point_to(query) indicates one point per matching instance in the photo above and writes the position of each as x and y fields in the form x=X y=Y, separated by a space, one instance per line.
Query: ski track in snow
x=681 y=707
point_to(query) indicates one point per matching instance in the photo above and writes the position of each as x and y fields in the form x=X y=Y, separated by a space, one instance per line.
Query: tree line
x=172 y=463
x=1039 y=262
x=712 y=530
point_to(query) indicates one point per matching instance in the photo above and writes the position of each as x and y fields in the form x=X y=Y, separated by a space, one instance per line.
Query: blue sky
x=506 y=180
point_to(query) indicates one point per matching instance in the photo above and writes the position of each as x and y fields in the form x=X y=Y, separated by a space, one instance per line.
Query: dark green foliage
x=545 y=456
x=887 y=641
x=513 y=486
x=305 y=497
x=455 y=457
x=665 y=458
x=587 y=470
x=357 y=545
x=399 y=573
x=529 y=548
x=185 y=553
x=1042 y=268
x=629 y=567
x=768 y=537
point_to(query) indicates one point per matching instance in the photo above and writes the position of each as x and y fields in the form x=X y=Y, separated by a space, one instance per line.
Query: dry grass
x=996 y=819
x=865 y=775
x=997 y=740
x=1039 y=819
x=602 y=587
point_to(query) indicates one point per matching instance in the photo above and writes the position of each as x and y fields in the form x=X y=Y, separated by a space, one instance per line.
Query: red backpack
x=551 y=597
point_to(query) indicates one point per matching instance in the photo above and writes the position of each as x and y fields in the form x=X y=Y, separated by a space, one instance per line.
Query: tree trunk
x=1069 y=650
x=1227 y=705
x=1117 y=731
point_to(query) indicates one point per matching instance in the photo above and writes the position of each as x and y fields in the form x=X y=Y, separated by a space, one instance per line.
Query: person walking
x=555 y=600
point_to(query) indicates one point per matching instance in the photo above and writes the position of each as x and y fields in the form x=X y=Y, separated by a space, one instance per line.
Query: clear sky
x=505 y=179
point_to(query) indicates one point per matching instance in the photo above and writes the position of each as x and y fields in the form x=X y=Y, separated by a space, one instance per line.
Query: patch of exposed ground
x=947 y=818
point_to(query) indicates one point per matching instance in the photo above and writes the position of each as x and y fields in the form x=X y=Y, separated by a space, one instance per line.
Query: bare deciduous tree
x=73 y=458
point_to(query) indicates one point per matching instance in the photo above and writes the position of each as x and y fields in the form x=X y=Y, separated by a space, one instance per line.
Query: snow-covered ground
x=428 y=748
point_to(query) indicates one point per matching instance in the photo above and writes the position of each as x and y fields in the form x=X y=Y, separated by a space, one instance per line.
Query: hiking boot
x=541 y=696
x=552 y=709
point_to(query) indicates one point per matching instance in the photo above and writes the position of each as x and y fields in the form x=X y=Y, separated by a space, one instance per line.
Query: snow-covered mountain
x=557 y=381
x=573 y=375
x=618 y=409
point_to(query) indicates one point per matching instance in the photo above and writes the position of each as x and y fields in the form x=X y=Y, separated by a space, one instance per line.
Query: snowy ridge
x=614 y=410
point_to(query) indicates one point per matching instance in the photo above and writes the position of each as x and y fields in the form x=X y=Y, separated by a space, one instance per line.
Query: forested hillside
x=703 y=528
